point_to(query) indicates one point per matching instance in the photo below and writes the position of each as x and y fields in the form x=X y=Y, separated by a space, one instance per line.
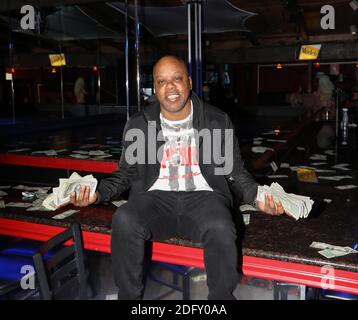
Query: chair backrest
x=62 y=274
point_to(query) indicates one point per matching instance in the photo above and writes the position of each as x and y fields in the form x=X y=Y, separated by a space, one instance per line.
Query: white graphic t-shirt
x=179 y=168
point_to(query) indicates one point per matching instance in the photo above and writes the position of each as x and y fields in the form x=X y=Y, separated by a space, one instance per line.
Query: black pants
x=202 y=216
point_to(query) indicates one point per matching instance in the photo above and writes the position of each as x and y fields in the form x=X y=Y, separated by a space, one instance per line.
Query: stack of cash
x=61 y=194
x=295 y=205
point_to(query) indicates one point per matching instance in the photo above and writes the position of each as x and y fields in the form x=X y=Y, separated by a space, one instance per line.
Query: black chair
x=63 y=275
x=177 y=270
x=336 y=295
x=13 y=276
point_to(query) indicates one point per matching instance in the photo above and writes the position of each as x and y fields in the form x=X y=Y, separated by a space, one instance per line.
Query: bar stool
x=12 y=275
x=58 y=268
x=177 y=270
x=336 y=295
x=24 y=248
x=280 y=290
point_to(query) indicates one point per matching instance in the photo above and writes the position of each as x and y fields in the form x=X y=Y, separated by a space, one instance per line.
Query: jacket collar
x=151 y=113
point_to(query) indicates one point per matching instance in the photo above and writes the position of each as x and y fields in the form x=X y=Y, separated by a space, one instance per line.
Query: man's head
x=172 y=86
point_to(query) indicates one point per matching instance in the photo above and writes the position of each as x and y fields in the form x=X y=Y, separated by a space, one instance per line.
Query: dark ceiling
x=277 y=23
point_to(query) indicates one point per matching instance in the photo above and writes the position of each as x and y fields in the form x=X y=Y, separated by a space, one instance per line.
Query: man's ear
x=191 y=83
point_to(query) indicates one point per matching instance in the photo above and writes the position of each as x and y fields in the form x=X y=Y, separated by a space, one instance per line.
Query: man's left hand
x=270 y=206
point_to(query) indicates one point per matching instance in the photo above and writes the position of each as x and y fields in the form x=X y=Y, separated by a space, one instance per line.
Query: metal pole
x=126 y=58
x=61 y=73
x=196 y=48
x=98 y=73
x=61 y=77
x=309 y=77
x=116 y=79
x=99 y=88
x=189 y=39
x=337 y=109
x=258 y=80
x=11 y=64
x=200 y=67
x=137 y=38
x=13 y=98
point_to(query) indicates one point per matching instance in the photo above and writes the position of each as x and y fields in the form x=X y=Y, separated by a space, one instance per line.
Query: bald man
x=184 y=191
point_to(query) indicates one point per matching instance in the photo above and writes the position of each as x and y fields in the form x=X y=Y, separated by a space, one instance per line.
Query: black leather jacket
x=140 y=177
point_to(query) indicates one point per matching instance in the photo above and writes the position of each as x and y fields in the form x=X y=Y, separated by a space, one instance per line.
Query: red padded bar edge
x=314 y=276
x=309 y=275
x=58 y=163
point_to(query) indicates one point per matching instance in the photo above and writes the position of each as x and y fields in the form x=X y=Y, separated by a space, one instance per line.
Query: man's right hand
x=83 y=199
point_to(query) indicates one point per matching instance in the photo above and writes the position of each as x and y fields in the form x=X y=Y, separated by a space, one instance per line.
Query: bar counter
x=272 y=247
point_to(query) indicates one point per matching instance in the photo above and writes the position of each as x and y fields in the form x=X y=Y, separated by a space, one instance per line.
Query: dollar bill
x=334 y=178
x=327 y=253
x=19 y=204
x=347 y=187
x=97 y=152
x=88 y=146
x=260 y=149
x=27 y=188
x=275 y=176
x=37 y=208
x=341 y=166
x=103 y=156
x=78 y=156
x=323 y=246
x=118 y=203
x=319 y=157
x=274 y=166
x=277 y=140
x=65 y=214
x=330 y=152
x=113 y=142
x=20 y=150
x=246 y=218
x=49 y=153
x=247 y=207
x=319 y=163
x=61 y=150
